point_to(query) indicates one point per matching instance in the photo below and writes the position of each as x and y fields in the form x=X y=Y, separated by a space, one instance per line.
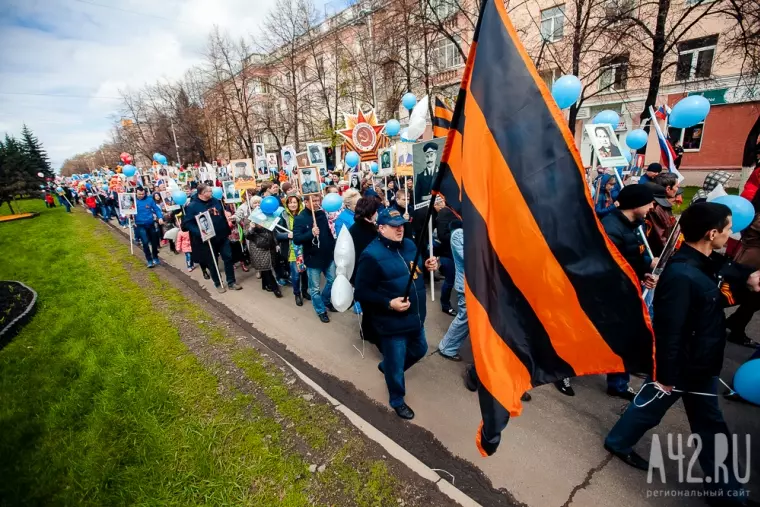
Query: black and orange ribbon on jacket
x=548 y=295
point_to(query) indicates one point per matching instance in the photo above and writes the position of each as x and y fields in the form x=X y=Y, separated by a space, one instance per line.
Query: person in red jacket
x=92 y=205
x=49 y=202
x=753 y=183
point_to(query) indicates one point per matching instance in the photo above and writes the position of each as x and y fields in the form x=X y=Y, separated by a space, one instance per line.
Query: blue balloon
x=747 y=381
x=179 y=197
x=636 y=139
x=742 y=211
x=129 y=170
x=157 y=156
x=409 y=100
x=162 y=160
x=86 y=185
x=74 y=176
x=373 y=167
x=59 y=189
x=607 y=117
x=392 y=127
x=269 y=205
x=352 y=159
x=332 y=203
x=566 y=91
x=217 y=192
x=689 y=111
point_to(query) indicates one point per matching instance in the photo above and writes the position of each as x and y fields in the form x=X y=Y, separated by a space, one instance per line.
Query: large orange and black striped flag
x=548 y=295
x=442 y=115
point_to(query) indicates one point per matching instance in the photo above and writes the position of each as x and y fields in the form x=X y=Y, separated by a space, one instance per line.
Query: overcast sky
x=62 y=62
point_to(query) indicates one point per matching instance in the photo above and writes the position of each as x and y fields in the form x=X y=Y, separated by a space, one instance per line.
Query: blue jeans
x=105 y=212
x=225 y=251
x=618 y=382
x=705 y=419
x=147 y=235
x=399 y=354
x=319 y=300
x=189 y=260
x=449 y=272
x=296 y=278
x=458 y=330
x=94 y=212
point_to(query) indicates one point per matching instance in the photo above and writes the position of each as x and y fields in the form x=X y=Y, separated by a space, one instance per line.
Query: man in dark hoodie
x=203 y=201
x=318 y=248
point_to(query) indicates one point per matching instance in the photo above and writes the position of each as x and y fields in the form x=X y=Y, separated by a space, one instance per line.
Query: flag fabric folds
x=548 y=295
x=442 y=114
x=667 y=153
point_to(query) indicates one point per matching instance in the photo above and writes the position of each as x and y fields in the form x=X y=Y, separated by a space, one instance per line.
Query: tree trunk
x=11 y=207
x=658 y=59
x=571 y=120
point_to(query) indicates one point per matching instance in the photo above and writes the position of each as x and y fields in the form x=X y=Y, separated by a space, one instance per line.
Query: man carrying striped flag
x=548 y=295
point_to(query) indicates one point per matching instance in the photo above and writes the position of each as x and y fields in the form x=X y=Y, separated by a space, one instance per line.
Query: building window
x=446 y=55
x=690 y=138
x=552 y=21
x=320 y=66
x=443 y=9
x=549 y=76
x=618 y=8
x=613 y=73
x=695 y=58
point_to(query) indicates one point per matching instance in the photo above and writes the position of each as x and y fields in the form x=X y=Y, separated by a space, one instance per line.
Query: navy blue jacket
x=381 y=275
x=146 y=208
x=316 y=257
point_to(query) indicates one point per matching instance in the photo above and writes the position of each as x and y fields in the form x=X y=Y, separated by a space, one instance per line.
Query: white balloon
x=417 y=119
x=342 y=294
x=345 y=256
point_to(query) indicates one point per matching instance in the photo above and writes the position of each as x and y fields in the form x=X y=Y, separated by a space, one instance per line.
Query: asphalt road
x=550 y=456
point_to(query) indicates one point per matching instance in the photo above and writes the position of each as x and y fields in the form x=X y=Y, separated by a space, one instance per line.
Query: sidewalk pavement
x=551 y=456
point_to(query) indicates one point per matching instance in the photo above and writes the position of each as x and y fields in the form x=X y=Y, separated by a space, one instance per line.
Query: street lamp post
x=176 y=146
x=368 y=14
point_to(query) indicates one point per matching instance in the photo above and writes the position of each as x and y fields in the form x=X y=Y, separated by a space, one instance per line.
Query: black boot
x=299 y=300
x=277 y=291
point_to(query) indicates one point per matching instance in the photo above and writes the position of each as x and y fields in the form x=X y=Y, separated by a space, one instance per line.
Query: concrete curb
x=395 y=450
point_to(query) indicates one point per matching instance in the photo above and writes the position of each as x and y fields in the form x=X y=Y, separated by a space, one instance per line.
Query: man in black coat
x=318 y=251
x=203 y=201
x=443 y=221
x=690 y=335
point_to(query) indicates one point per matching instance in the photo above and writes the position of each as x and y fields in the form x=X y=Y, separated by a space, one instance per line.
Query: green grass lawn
x=103 y=404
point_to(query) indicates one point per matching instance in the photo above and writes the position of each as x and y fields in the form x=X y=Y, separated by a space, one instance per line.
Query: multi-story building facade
x=369 y=55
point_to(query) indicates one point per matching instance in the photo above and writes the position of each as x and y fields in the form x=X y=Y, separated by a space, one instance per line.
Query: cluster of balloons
x=332 y=203
x=126 y=157
x=161 y=159
x=352 y=159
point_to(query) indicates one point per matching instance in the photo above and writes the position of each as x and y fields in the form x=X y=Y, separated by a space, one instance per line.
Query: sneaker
x=564 y=387
x=234 y=286
x=191 y=268
x=221 y=290
x=156 y=262
x=299 y=300
x=324 y=318
x=404 y=411
x=150 y=264
x=629 y=394
x=456 y=357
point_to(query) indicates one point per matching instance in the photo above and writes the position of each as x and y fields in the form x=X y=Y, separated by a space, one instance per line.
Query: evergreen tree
x=18 y=174
x=37 y=156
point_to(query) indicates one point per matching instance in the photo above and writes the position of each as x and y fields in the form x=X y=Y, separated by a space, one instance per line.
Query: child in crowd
x=92 y=205
x=183 y=245
x=235 y=244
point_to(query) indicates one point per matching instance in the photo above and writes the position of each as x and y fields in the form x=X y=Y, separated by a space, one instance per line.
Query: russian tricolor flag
x=667 y=153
